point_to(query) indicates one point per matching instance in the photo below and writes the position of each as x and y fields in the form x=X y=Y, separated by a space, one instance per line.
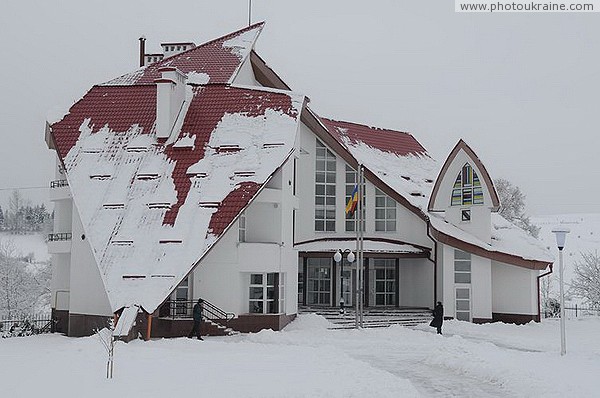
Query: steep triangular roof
x=151 y=210
x=462 y=146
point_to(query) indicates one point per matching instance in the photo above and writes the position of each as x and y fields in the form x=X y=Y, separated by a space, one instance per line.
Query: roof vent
x=228 y=148
x=416 y=193
x=147 y=176
x=113 y=206
x=122 y=242
x=100 y=176
x=130 y=276
x=137 y=149
x=244 y=173
x=170 y=241
x=159 y=205
x=272 y=145
x=407 y=178
x=429 y=180
x=209 y=205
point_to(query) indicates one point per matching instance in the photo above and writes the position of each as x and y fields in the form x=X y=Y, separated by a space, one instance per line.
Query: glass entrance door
x=383 y=282
x=318 y=289
x=348 y=284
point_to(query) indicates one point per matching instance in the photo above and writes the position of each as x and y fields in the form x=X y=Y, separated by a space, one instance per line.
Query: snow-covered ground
x=307 y=360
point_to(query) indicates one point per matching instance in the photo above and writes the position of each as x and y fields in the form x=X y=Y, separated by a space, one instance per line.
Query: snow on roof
x=410 y=173
x=506 y=238
x=403 y=164
x=153 y=209
x=218 y=59
x=369 y=246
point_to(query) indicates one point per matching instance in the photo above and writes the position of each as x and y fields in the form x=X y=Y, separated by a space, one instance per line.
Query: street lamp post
x=337 y=257
x=561 y=236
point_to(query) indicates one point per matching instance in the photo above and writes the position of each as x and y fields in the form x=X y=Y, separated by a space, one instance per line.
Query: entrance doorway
x=318 y=281
x=383 y=279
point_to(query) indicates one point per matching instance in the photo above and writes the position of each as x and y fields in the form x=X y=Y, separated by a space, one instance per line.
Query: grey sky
x=521 y=89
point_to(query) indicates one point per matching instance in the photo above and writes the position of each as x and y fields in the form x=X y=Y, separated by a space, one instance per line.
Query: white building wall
x=514 y=289
x=480 y=224
x=481 y=284
x=88 y=294
x=410 y=228
x=60 y=283
x=223 y=277
x=416 y=287
x=481 y=287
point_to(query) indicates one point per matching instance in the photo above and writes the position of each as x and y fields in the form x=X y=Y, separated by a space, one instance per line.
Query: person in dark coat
x=197 y=313
x=438 y=317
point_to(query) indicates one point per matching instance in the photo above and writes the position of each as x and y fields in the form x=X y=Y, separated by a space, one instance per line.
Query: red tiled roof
x=211 y=58
x=117 y=107
x=231 y=206
x=206 y=110
x=392 y=141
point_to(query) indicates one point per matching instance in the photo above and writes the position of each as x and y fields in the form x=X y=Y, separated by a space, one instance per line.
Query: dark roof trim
x=471 y=154
x=265 y=75
x=479 y=251
x=372 y=239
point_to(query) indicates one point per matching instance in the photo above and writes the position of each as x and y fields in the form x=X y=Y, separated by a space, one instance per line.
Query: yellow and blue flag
x=353 y=202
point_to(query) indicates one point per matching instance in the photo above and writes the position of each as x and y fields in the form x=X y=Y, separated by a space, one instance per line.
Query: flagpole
x=361 y=248
x=357 y=225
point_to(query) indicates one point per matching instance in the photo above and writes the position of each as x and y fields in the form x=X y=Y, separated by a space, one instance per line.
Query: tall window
x=385 y=212
x=467 y=188
x=318 y=280
x=324 y=189
x=462 y=289
x=242 y=228
x=462 y=267
x=351 y=181
x=266 y=293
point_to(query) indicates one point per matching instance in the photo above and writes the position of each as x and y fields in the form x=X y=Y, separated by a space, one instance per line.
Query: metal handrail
x=59 y=236
x=184 y=309
x=59 y=183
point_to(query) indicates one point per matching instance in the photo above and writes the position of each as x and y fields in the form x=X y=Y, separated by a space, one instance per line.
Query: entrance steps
x=372 y=317
x=212 y=328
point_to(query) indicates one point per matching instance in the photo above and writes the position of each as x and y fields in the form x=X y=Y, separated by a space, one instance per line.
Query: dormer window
x=467 y=188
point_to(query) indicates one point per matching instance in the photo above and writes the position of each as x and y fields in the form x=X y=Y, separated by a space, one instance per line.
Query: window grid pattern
x=467 y=189
x=385 y=282
x=462 y=267
x=265 y=293
x=318 y=281
x=351 y=181
x=385 y=212
x=325 y=169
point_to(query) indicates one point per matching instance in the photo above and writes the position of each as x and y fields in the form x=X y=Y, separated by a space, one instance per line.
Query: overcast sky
x=521 y=89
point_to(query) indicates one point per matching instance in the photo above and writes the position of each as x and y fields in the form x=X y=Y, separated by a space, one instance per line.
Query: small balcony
x=59 y=190
x=59 y=242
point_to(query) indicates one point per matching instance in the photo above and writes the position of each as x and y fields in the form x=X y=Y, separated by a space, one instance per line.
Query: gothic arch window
x=467 y=188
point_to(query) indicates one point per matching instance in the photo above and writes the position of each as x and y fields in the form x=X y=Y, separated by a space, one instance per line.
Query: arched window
x=467 y=188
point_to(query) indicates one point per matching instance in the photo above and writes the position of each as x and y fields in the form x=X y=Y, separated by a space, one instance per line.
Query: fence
x=25 y=325
x=580 y=311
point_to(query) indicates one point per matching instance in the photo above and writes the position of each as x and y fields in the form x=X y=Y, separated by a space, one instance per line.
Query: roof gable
x=438 y=203
x=218 y=59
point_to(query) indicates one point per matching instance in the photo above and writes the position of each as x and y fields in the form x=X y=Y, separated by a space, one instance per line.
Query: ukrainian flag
x=351 y=206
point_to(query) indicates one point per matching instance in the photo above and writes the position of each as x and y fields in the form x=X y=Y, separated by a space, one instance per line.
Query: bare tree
x=512 y=206
x=21 y=292
x=108 y=340
x=586 y=283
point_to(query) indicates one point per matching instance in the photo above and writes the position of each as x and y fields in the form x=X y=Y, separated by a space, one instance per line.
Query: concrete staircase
x=212 y=328
x=372 y=317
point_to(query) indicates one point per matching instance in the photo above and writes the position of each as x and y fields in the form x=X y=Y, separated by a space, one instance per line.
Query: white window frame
x=325 y=181
x=258 y=293
x=242 y=228
x=469 y=300
x=387 y=223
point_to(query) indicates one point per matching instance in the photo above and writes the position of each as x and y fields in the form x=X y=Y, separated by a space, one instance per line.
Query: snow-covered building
x=204 y=175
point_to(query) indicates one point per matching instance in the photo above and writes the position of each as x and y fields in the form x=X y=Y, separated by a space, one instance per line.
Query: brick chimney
x=170 y=95
x=142 y=50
